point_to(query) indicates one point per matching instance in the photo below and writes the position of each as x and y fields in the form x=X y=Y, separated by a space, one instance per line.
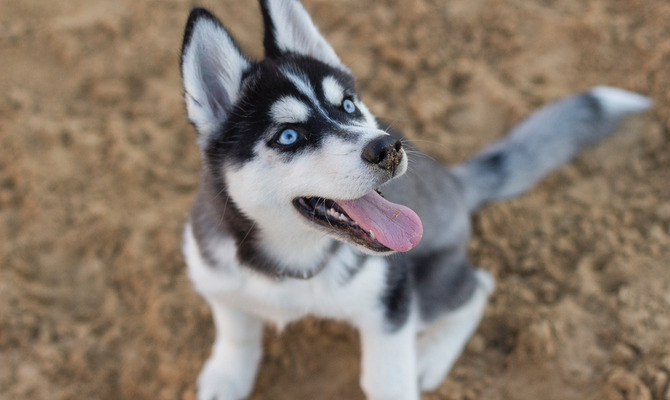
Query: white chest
x=334 y=293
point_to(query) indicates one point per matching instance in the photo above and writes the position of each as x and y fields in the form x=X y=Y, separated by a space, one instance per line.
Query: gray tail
x=543 y=142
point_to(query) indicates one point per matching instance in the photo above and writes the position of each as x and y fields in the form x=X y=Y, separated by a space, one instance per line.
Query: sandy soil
x=98 y=166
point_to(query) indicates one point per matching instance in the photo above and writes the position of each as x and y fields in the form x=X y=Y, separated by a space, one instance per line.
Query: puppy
x=304 y=207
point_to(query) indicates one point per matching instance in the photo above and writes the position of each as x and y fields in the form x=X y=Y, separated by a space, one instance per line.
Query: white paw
x=428 y=383
x=214 y=383
x=385 y=395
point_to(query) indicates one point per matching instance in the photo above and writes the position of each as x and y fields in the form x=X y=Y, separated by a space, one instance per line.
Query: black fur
x=397 y=298
x=269 y=43
x=444 y=281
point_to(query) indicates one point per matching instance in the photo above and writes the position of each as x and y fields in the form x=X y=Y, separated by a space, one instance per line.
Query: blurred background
x=98 y=167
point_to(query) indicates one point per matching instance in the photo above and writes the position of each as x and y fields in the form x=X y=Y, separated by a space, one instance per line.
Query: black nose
x=384 y=152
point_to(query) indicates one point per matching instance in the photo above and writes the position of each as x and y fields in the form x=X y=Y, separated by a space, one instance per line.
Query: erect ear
x=289 y=29
x=212 y=67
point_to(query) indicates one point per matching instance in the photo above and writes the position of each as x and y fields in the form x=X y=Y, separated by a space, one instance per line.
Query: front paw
x=412 y=395
x=216 y=383
x=402 y=387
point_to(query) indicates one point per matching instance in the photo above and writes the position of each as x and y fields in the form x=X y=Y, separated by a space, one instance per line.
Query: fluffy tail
x=543 y=142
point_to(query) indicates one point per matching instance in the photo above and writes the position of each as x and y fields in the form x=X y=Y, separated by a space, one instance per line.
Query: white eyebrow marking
x=333 y=91
x=289 y=110
x=301 y=82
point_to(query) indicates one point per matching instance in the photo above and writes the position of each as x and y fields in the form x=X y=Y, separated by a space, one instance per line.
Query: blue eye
x=349 y=106
x=288 y=137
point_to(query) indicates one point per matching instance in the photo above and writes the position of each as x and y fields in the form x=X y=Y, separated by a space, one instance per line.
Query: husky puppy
x=289 y=220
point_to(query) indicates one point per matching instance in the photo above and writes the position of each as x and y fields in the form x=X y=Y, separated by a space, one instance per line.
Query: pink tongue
x=395 y=226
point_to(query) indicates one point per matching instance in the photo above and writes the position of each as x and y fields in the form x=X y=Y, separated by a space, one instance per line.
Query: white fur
x=617 y=101
x=389 y=362
x=333 y=91
x=241 y=299
x=289 y=110
x=298 y=34
x=286 y=235
x=212 y=69
x=230 y=371
x=211 y=279
x=283 y=302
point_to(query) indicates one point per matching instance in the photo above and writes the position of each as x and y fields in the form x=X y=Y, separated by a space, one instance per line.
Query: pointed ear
x=289 y=29
x=212 y=67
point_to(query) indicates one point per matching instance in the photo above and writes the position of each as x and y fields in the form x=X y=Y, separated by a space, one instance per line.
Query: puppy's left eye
x=288 y=137
x=349 y=106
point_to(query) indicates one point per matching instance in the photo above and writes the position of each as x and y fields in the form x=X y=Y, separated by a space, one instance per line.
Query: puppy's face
x=301 y=142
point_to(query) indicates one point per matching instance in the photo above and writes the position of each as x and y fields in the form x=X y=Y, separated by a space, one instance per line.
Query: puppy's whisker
x=225 y=207
x=223 y=213
x=415 y=153
x=392 y=119
x=314 y=211
x=427 y=141
x=247 y=235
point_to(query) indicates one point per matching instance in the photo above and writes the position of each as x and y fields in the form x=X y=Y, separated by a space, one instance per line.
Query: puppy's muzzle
x=384 y=152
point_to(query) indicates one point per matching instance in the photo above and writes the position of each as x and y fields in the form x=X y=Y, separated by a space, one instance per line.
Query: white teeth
x=335 y=214
x=339 y=216
x=372 y=234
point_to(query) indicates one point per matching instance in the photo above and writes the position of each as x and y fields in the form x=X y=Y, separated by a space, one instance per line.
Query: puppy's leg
x=230 y=371
x=389 y=362
x=441 y=344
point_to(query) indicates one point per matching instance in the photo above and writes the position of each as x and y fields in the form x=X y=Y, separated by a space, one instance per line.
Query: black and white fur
x=255 y=258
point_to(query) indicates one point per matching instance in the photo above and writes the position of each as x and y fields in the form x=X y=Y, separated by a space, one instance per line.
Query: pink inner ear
x=395 y=226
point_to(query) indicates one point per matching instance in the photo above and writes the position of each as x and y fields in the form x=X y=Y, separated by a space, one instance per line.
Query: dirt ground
x=98 y=167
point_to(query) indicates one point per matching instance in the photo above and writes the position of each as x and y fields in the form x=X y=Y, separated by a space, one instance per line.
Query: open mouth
x=370 y=221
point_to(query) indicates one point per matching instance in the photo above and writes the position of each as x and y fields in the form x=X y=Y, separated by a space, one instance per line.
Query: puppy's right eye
x=349 y=106
x=288 y=137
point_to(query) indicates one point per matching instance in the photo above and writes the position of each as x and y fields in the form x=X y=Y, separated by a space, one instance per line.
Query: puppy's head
x=289 y=136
